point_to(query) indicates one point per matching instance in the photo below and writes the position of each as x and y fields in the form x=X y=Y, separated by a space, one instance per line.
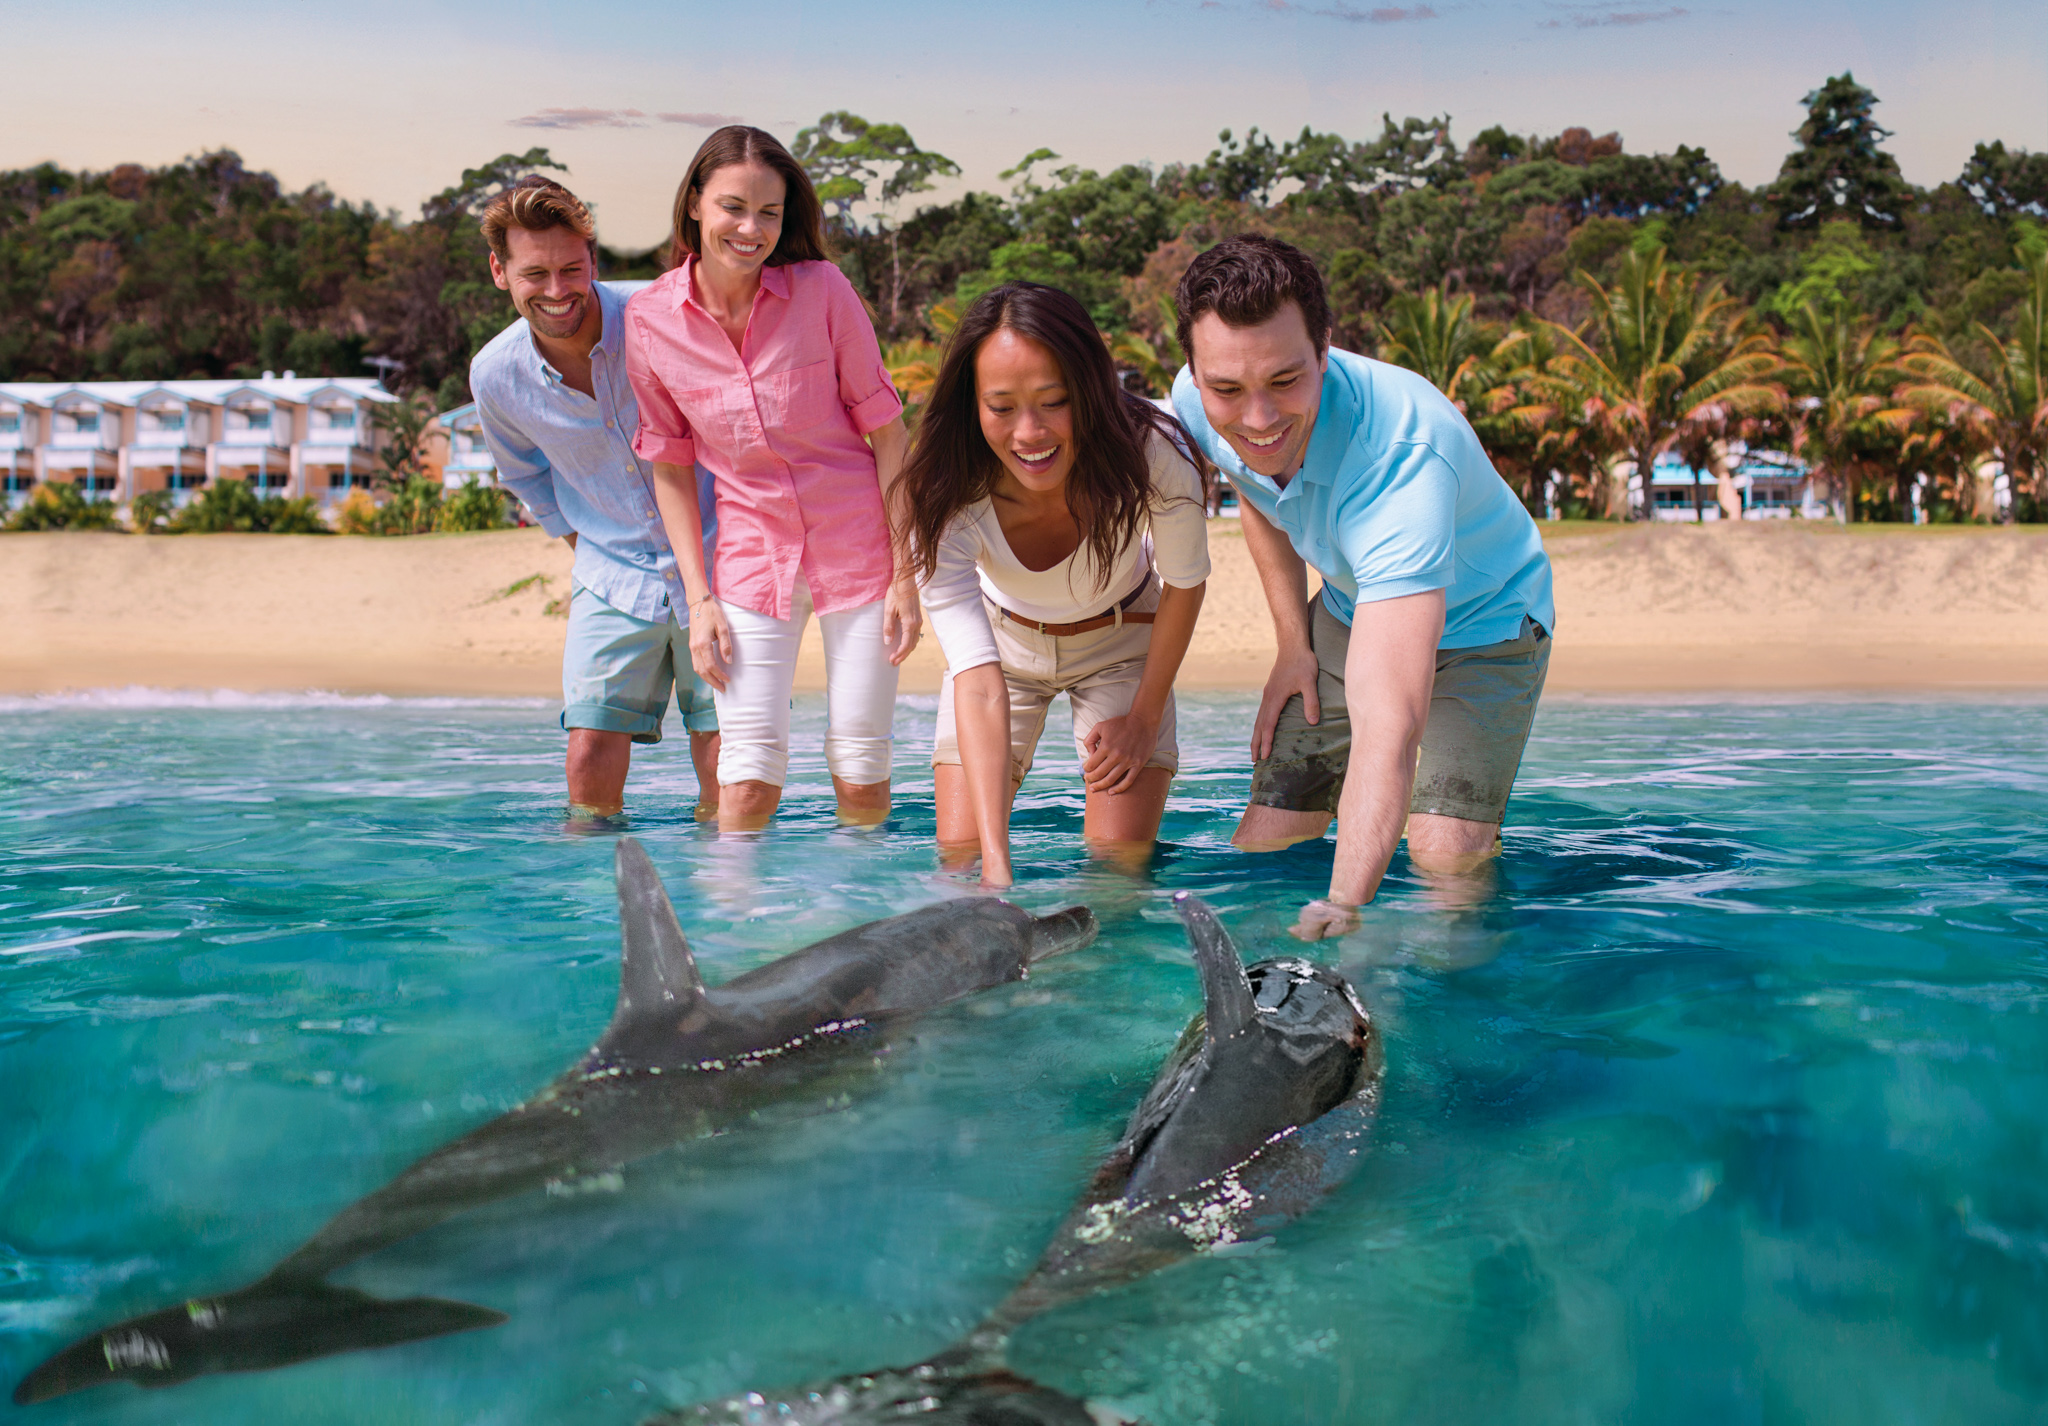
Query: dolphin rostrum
x=1259 y=1111
x=679 y=1060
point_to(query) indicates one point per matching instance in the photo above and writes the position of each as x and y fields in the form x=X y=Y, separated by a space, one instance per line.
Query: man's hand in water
x=1324 y=920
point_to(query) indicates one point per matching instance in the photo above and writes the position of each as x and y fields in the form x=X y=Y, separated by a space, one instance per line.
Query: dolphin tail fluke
x=657 y=973
x=268 y=1325
x=1226 y=990
x=1061 y=932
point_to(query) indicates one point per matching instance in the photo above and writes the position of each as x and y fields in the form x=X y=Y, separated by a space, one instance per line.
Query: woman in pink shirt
x=754 y=355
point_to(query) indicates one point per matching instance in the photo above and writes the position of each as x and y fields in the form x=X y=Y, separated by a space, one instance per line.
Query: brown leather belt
x=1085 y=626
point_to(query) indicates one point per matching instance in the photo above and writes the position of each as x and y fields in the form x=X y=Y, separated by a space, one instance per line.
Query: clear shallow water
x=1730 y=1105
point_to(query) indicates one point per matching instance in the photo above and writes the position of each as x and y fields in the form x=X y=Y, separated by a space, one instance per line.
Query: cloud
x=701 y=121
x=1586 y=19
x=1383 y=15
x=582 y=119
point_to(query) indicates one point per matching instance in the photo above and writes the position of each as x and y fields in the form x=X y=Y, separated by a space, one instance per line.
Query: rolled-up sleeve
x=665 y=433
x=522 y=469
x=952 y=597
x=1397 y=532
x=865 y=388
x=1180 y=519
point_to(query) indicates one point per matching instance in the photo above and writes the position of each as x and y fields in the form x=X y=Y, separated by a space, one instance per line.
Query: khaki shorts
x=1479 y=716
x=1098 y=671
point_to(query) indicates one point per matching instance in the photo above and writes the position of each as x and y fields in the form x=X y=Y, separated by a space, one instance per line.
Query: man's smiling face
x=1261 y=386
x=550 y=276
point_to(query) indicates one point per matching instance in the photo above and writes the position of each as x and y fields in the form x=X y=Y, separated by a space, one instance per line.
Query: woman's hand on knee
x=710 y=642
x=1118 y=749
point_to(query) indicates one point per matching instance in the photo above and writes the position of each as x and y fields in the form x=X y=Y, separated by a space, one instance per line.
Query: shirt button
x=608 y=423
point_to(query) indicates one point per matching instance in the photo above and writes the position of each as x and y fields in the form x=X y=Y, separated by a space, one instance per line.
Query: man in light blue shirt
x=560 y=419
x=1401 y=696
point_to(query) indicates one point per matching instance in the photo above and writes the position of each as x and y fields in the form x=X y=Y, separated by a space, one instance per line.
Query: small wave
x=136 y=698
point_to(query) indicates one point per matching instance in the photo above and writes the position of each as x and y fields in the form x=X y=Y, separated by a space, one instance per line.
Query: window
x=253 y=418
x=10 y=422
x=339 y=418
x=167 y=420
x=85 y=423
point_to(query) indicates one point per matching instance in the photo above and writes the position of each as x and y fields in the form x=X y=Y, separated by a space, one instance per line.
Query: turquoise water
x=1728 y=1106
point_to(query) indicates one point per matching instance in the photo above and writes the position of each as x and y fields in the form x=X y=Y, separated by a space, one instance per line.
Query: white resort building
x=286 y=436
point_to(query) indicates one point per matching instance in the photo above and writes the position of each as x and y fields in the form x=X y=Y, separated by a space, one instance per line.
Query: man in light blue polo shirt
x=1401 y=696
x=560 y=420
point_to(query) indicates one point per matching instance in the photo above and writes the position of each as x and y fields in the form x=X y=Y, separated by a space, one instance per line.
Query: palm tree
x=2000 y=389
x=1669 y=356
x=1433 y=334
x=1840 y=373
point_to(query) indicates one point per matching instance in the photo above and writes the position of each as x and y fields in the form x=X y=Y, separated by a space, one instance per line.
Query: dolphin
x=679 y=1061
x=1259 y=1111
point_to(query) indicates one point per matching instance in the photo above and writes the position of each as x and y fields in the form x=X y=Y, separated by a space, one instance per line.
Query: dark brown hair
x=951 y=466
x=535 y=204
x=803 y=216
x=1245 y=280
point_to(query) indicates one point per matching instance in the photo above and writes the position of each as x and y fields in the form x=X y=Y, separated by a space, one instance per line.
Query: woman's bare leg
x=1121 y=827
x=959 y=841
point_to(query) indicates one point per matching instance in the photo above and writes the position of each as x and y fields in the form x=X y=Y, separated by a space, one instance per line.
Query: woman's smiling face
x=1026 y=413
x=739 y=216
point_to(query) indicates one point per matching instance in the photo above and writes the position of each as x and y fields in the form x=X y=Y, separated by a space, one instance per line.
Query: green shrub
x=63 y=506
x=151 y=510
x=221 y=507
x=474 y=507
x=226 y=506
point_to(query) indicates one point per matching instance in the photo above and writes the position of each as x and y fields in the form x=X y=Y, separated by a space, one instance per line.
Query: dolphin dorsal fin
x=1226 y=990
x=657 y=973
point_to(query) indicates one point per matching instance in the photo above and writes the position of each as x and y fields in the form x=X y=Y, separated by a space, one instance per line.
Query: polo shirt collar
x=1337 y=420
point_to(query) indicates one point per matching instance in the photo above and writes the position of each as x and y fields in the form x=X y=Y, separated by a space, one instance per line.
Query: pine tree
x=1838 y=170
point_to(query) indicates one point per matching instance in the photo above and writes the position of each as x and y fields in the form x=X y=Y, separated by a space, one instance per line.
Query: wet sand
x=1668 y=610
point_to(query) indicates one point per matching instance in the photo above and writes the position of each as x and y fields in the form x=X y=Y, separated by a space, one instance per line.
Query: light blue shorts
x=618 y=671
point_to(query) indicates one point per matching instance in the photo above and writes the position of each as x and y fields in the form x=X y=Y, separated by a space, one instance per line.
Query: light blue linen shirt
x=1396 y=496
x=569 y=458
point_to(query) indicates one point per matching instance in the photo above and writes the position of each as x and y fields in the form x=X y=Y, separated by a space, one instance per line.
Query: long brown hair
x=951 y=466
x=803 y=216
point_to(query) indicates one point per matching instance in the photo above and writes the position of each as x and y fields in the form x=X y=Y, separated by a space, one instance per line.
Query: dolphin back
x=268 y=1325
x=1243 y=1129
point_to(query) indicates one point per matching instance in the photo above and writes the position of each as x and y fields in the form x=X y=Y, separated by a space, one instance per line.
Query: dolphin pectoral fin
x=657 y=973
x=264 y=1326
x=1226 y=990
x=1061 y=932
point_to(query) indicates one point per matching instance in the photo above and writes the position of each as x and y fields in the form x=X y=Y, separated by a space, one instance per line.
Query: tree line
x=1587 y=305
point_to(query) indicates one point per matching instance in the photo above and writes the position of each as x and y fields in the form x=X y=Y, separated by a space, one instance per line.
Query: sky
x=389 y=100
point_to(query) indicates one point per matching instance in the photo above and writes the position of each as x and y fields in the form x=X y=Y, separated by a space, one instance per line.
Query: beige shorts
x=1098 y=671
x=1479 y=716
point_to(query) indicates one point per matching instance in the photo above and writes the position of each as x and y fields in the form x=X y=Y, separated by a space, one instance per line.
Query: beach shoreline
x=1663 y=610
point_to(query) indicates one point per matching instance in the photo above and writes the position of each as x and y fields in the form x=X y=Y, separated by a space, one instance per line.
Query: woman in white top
x=1059 y=527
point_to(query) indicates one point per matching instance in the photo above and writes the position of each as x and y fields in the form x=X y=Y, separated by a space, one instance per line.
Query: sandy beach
x=1669 y=609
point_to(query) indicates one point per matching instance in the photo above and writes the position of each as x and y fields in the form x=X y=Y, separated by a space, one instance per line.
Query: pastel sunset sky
x=389 y=100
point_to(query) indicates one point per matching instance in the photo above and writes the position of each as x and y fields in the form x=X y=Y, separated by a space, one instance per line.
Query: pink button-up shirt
x=780 y=424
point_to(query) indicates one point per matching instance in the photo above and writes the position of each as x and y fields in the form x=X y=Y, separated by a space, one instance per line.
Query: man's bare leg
x=862 y=804
x=597 y=764
x=747 y=806
x=704 y=757
x=1454 y=856
x=1271 y=829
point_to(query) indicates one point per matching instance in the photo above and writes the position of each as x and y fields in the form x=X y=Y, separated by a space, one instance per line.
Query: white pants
x=860 y=693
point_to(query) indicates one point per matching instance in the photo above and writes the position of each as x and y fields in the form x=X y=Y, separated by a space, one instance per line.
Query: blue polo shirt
x=1396 y=496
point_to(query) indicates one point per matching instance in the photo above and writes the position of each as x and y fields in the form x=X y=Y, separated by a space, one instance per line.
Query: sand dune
x=1667 y=609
